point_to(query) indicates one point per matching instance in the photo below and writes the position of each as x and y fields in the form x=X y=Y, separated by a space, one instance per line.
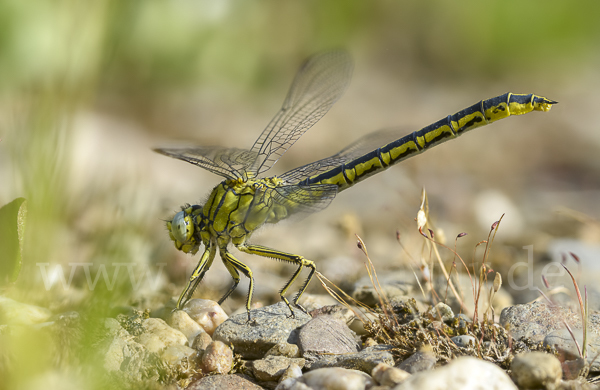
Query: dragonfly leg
x=203 y=265
x=291 y=258
x=234 y=266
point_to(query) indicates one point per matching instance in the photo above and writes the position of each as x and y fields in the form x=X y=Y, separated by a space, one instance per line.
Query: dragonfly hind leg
x=291 y=258
x=234 y=266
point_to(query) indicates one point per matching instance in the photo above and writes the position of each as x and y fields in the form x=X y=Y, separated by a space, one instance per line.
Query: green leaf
x=12 y=229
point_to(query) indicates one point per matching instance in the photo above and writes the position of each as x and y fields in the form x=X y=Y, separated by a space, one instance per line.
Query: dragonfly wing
x=304 y=198
x=356 y=149
x=231 y=163
x=317 y=86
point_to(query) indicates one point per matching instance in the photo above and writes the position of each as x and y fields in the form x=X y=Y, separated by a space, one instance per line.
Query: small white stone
x=181 y=321
x=387 y=375
x=208 y=314
x=464 y=373
x=293 y=371
x=337 y=378
x=175 y=353
x=158 y=335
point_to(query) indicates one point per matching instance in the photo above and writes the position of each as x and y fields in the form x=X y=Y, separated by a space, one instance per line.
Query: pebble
x=393 y=284
x=535 y=320
x=326 y=335
x=268 y=326
x=158 y=335
x=174 y=354
x=364 y=360
x=333 y=378
x=441 y=312
x=224 y=382
x=208 y=314
x=17 y=313
x=272 y=367
x=386 y=375
x=533 y=370
x=120 y=348
x=217 y=358
x=563 y=342
x=316 y=301
x=572 y=368
x=123 y=354
x=464 y=341
x=201 y=341
x=422 y=360
x=293 y=371
x=181 y=321
x=284 y=349
x=338 y=311
x=463 y=373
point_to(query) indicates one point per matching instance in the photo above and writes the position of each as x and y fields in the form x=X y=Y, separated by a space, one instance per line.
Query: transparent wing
x=356 y=149
x=304 y=198
x=230 y=163
x=317 y=86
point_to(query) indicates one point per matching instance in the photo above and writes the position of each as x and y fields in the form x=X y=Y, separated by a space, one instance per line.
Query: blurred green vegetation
x=67 y=66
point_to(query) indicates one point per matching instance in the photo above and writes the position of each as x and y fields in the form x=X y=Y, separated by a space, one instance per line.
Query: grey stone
x=463 y=341
x=533 y=370
x=394 y=284
x=268 y=326
x=272 y=367
x=201 y=341
x=364 y=360
x=422 y=360
x=441 y=311
x=326 y=335
x=224 y=382
x=563 y=342
x=535 y=320
x=284 y=349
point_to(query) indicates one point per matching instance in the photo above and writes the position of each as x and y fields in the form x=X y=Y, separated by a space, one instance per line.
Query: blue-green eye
x=182 y=227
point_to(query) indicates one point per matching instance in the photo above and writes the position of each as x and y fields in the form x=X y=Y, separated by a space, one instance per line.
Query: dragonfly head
x=184 y=229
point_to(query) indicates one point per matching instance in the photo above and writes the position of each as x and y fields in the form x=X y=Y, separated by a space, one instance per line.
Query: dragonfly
x=247 y=199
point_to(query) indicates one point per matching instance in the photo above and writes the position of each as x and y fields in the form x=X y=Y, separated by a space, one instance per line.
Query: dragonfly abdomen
x=479 y=114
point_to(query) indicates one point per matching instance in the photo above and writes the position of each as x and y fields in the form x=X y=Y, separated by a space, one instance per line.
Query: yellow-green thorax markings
x=244 y=201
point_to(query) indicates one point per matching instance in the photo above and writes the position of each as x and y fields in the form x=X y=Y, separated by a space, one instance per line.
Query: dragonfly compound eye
x=182 y=227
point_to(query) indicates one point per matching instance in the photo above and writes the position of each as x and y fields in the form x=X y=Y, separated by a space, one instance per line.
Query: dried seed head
x=575 y=257
x=545 y=281
x=421 y=219
x=461 y=234
x=497 y=282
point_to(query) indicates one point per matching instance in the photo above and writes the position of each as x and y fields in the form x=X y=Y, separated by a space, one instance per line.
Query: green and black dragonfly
x=247 y=199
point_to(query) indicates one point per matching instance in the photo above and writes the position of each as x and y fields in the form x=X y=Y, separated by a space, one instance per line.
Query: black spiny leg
x=294 y=259
x=203 y=265
x=233 y=265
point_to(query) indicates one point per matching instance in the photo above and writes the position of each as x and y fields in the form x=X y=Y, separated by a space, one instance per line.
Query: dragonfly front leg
x=203 y=265
x=233 y=265
x=291 y=258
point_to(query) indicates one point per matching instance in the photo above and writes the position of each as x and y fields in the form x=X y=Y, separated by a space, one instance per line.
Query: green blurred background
x=87 y=88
